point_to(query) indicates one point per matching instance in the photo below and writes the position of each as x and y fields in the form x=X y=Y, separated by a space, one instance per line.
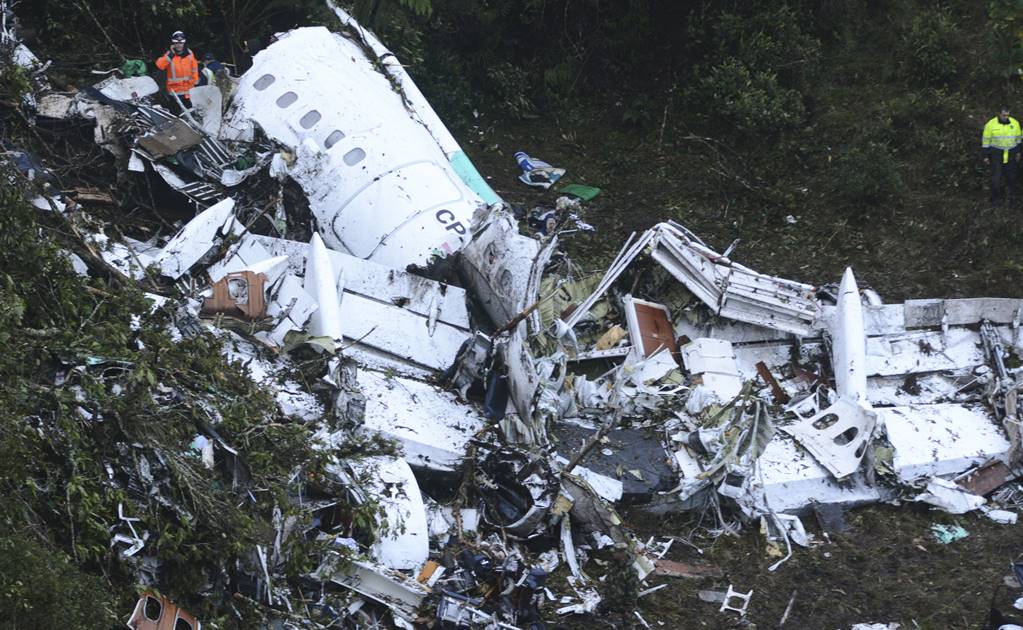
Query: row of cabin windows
x=309 y=120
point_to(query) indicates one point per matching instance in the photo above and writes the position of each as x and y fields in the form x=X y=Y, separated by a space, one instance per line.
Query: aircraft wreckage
x=676 y=380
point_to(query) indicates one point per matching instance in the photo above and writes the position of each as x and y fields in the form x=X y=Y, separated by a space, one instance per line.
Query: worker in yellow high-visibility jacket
x=1001 y=147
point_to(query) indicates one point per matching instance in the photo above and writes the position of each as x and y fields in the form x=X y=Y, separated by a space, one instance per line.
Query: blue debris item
x=1017 y=569
x=536 y=172
x=948 y=534
x=543 y=220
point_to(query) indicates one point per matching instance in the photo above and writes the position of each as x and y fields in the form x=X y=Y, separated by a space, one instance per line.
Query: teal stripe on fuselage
x=472 y=178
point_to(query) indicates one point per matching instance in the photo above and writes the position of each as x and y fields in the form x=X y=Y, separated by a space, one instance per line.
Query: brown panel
x=655 y=330
x=253 y=306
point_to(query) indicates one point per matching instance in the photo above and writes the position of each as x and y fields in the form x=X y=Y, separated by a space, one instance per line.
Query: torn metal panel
x=291 y=307
x=401 y=594
x=650 y=327
x=58 y=106
x=791 y=479
x=128 y=260
x=318 y=94
x=524 y=426
x=498 y=264
x=434 y=428
x=382 y=283
x=197 y=238
x=714 y=361
x=837 y=436
x=207 y=105
x=402 y=334
x=942 y=439
x=404 y=542
x=923 y=351
x=961 y=312
x=169 y=138
x=730 y=289
x=928 y=388
x=129 y=89
x=156 y=612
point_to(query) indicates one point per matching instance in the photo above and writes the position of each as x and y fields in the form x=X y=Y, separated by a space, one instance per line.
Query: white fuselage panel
x=378 y=183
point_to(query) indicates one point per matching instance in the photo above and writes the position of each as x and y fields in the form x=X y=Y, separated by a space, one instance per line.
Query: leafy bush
x=867 y=174
x=40 y=588
x=750 y=100
x=771 y=40
x=508 y=89
x=933 y=46
x=755 y=70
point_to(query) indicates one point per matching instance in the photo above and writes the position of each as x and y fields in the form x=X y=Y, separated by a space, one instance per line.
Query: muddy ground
x=887 y=567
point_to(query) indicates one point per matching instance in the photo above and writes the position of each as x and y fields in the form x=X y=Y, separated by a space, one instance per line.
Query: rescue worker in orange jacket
x=182 y=69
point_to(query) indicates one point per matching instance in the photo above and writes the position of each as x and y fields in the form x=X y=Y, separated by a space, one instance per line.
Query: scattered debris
x=537 y=172
x=948 y=534
x=732 y=595
x=480 y=406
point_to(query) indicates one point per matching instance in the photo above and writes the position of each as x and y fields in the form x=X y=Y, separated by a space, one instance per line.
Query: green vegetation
x=97 y=415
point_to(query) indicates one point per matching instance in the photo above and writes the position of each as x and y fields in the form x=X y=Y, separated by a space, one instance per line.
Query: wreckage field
x=685 y=344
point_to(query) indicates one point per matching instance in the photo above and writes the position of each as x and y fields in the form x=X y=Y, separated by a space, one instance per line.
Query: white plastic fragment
x=1005 y=517
x=950 y=497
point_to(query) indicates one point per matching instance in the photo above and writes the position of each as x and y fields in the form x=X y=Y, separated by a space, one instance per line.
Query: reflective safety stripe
x=172 y=74
x=1005 y=136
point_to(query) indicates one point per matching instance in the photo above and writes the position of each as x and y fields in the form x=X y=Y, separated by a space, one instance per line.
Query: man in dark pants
x=1001 y=148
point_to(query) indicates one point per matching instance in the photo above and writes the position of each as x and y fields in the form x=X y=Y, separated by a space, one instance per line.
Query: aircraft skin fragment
x=379 y=184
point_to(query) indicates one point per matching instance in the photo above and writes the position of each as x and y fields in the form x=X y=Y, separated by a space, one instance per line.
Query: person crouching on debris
x=182 y=70
x=1001 y=147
